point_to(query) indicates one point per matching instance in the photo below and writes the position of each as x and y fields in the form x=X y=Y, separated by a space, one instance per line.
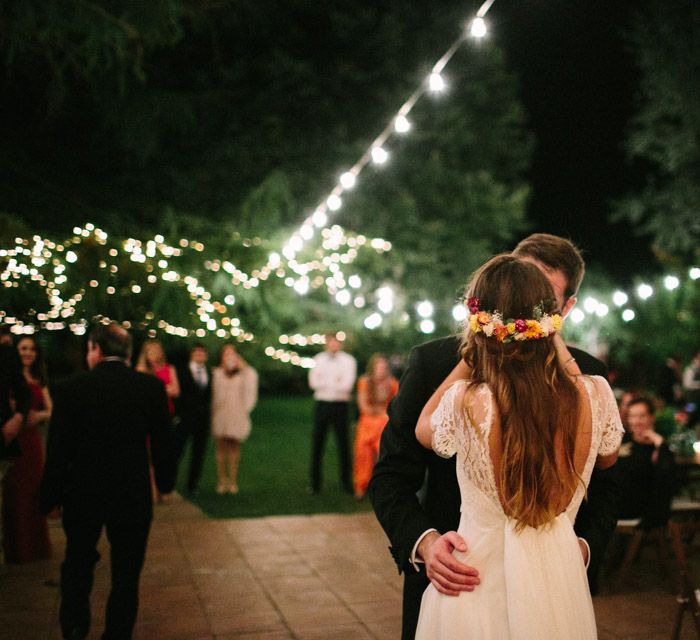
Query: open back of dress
x=533 y=581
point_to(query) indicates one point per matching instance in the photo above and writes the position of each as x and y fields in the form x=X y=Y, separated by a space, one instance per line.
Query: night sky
x=578 y=84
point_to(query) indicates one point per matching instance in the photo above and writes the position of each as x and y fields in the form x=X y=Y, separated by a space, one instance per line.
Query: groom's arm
x=400 y=469
x=400 y=473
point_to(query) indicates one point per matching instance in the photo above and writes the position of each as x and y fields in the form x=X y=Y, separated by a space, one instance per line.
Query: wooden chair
x=638 y=538
x=681 y=533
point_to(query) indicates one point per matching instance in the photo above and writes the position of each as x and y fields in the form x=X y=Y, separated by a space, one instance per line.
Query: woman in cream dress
x=234 y=394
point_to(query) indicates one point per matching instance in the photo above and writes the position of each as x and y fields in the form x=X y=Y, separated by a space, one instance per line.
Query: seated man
x=646 y=468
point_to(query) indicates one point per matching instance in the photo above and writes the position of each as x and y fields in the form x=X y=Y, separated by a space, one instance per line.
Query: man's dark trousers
x=330 y=414
x=128 y=539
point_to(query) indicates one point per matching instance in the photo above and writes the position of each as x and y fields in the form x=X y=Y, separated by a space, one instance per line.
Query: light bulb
x=348 y=179
x=644 y=291
x=436 y=83
x=401 y=124
x=619 y=298
x=671 y=282
x=478 y=27
x=379 y=155
x=334 y=202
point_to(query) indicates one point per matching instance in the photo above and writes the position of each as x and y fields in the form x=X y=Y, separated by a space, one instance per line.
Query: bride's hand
x=585 y=551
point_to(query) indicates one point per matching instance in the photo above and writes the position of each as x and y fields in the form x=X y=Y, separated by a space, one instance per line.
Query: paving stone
x=280 y=578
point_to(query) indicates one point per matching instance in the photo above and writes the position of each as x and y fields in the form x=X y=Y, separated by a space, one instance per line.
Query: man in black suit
x=97 y=470
x=194 y=409
x=413 y=524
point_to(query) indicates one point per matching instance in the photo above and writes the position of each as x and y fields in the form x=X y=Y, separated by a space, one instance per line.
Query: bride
x=527 y=429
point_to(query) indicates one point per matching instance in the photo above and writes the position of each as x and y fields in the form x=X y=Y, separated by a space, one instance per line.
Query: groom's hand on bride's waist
x=448 y=575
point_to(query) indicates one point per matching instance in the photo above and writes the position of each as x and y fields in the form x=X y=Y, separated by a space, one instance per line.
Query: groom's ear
x=568 y=306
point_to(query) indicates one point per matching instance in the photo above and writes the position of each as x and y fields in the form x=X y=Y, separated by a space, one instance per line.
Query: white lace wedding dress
x=533 y=582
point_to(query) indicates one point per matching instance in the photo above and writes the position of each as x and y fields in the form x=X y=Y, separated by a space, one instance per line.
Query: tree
x=228 y=122
x=664 y=138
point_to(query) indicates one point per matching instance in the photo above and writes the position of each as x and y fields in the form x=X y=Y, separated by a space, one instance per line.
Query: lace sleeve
x=612 y=428
x=444 y=422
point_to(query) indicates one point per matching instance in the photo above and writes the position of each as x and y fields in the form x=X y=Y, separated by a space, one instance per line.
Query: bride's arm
x=603 y=462
x=567 y=361
x=424 y=433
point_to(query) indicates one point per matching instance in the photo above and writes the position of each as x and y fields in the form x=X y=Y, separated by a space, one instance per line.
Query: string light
x=577 y=316
x=348 y=180
x=402 y=124
x=478 y=27
x=620 y=298
x=379 y=155
x=399 y=124
x=628 y=315
x=436 y=83
x=644 y=291
x=459 y=313
x=671 y=282
x=427 y=325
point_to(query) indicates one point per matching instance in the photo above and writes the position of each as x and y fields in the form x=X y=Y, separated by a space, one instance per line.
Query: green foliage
x=665 y=134
x=227 y=122
x=665 y=325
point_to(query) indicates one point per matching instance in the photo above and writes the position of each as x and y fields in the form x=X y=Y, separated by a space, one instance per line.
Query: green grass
x=274 y=470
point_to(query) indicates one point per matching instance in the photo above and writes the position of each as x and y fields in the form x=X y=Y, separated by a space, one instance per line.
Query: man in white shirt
x=332 y=379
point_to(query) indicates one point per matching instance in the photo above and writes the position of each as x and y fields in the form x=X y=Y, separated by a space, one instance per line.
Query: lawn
x=274 y=469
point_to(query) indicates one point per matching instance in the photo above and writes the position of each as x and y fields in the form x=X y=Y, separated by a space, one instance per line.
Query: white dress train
x=533 y=582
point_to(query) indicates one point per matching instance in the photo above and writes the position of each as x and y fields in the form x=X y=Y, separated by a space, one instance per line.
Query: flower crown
x=491 y=323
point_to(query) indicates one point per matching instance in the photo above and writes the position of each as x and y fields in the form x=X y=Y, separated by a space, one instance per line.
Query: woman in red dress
x=152 y=360
x=25 y=532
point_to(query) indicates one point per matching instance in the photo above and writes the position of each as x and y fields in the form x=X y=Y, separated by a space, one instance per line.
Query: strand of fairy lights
x=376 y=152
x=335 y=284
x=42 y=254
x=45 y=262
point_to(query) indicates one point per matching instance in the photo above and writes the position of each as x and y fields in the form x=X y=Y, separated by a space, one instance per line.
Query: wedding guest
x=375 y=391
x=332 y=379
x=97 y=472
x=420 y=526
x=670 y=383
x=624 y=403
x=646 y=467
x=15 y=402
x=691 y=387
x=234 y=394
x=25 y=534
x=5 y=335
x=152 y=360
x=194 y=408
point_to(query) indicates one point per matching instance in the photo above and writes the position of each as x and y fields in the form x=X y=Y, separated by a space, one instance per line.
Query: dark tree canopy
x=664 y=137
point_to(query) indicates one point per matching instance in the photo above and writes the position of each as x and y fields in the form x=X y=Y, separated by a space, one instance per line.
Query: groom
x=416 y=528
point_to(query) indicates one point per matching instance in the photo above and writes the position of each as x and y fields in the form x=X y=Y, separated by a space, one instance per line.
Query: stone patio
x=301 y=577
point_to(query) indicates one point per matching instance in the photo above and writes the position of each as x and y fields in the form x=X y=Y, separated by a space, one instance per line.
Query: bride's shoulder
x=599 y=387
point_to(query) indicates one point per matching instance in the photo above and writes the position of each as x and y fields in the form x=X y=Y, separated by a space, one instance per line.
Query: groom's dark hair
x=556 y=253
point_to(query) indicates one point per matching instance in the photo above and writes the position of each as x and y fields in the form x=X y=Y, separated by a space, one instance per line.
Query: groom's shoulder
x=590 y=365
x=447 y=347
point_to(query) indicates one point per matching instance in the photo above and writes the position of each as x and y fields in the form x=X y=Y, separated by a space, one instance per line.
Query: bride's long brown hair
x=537 y=401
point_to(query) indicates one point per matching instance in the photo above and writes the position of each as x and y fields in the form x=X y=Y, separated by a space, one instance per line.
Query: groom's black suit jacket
x=400 y=473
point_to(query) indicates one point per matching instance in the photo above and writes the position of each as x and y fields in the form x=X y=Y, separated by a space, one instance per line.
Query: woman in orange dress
x=25 y=532
x=152 y=360
x=375 y=390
